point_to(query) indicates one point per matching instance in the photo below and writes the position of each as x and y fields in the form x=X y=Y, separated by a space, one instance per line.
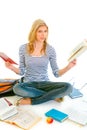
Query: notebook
x=75 y=93
x=57 y=115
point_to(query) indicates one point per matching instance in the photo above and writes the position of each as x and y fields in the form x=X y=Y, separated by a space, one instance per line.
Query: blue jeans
x=40 y=92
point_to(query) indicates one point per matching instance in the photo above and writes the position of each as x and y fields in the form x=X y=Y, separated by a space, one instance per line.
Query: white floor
x=42 y=108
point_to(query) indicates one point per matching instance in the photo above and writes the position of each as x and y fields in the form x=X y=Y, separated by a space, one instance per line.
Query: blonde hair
x=32 y=36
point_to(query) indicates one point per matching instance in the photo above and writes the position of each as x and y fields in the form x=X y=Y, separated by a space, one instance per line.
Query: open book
x=78 y=112
x=25 y=119
x=78 y=50
x=6 y=58
x=7 y=109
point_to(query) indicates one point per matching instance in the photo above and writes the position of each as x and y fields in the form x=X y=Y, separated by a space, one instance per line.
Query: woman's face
x=41 y=33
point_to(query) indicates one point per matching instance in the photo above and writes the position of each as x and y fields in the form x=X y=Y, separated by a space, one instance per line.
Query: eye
x=45 y=31
x=39 y=31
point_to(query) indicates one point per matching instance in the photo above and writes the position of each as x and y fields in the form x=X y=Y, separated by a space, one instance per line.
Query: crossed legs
x=39 y=92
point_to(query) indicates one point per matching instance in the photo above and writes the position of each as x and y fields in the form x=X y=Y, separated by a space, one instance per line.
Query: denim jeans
x=40 y=92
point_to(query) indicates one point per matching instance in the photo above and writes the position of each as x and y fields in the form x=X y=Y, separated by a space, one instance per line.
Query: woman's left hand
x=72 y=63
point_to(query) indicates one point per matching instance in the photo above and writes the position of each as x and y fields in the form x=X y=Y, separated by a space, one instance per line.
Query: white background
x=67 y=24
x=67 y=21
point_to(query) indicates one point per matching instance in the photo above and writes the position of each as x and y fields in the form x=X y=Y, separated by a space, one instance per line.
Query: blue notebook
x=57 y=115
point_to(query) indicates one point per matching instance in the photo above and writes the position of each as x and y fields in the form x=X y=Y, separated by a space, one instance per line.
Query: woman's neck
x=37 y=49
x=38 y=45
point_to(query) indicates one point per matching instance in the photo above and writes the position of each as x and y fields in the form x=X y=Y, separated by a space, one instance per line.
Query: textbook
x=78 y=50
x=25 y=119
x=57 y=115
x=6 y=58
x=7 y=109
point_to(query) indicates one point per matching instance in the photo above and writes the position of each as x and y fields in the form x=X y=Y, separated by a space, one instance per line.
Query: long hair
x=32 y=36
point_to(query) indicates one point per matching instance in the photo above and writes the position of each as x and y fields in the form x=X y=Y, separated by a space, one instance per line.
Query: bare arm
x=60 y=72
x=67 y=68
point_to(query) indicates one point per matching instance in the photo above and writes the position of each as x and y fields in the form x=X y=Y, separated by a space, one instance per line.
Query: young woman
x=34 y=58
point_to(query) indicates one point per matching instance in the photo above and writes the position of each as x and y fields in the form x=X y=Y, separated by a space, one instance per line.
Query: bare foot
x=23 y=101
x=59 y=99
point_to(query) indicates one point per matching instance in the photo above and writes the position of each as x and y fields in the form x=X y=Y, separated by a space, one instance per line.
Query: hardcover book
x=57 y=115
x=6 y=58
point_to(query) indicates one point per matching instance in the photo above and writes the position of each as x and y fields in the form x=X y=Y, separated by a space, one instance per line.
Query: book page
x=3 y=104
x=78 y=112
x=6 y=109
x=78 y=50
x=25 y=119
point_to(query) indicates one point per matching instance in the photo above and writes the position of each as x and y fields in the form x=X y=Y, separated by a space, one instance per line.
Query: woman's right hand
x=12 y=67
x=9 y=65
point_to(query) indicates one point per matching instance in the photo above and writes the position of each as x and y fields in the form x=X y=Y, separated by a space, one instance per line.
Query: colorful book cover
x=6 y=58
x=57 y=115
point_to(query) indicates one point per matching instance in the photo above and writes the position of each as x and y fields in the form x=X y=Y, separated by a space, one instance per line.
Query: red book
x=6 y=58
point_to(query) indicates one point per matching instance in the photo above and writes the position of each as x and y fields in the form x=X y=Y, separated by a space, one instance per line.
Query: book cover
x=57 y=115
x=75 y=93
x=6 y=58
